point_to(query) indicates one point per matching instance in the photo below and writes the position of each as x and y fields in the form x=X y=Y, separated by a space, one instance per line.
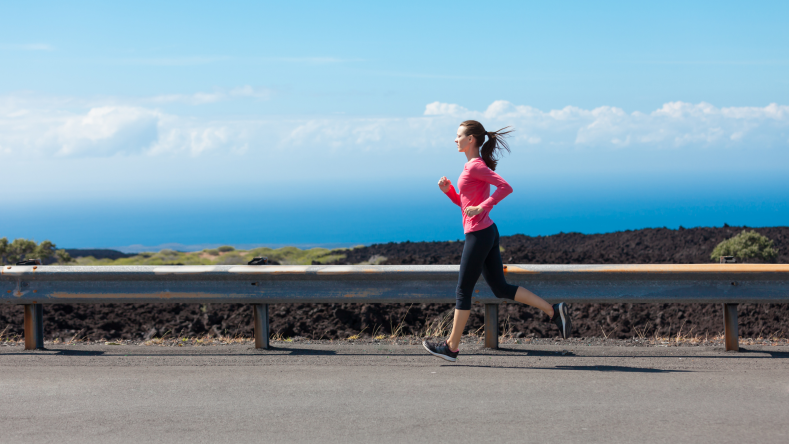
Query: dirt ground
x=340 y=321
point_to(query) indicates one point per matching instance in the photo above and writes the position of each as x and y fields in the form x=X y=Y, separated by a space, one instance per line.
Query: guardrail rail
x=261 y=285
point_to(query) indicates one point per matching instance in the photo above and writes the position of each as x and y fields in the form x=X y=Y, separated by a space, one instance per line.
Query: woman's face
x=463 y=141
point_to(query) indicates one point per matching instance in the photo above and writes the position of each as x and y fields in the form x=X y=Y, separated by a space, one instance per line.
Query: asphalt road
x=380 y=393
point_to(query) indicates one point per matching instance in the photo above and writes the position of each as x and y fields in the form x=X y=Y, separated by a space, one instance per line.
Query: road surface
x=346 y=393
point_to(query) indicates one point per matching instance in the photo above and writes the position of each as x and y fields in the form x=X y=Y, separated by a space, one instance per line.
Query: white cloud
x=674 y=125
x=201 y=98
x=178 y=136
x=444 y=109
x=248 y=91
x=115 y=130
x=108 y=130
x=70 y=127
x=192 y=99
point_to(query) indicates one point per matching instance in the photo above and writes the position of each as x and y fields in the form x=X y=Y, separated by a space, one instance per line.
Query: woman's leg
x=524 y=296
x=458 y=325
x=475 y=250
x=493 y=272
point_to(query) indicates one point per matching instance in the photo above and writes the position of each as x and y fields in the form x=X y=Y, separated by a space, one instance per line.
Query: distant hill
x=646 y=246
x=97 y=253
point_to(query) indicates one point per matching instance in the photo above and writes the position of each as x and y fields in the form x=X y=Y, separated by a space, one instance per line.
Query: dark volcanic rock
x=647 y=246
x=659 y=245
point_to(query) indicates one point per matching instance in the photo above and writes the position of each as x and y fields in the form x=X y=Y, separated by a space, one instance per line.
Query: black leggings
x=481 y=255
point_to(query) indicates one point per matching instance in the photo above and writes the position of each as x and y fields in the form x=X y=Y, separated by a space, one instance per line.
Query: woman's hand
x=472 y=211
x=444 y=184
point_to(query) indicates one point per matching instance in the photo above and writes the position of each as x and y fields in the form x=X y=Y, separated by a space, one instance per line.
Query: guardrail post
x=34 y=327
x=261 y=325
x=491 y=325
x=731 y=334
x=730 y=327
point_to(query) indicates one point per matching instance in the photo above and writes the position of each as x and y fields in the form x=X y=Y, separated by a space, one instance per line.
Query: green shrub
x=225 y=248
x=296 y=256
x=746 y=245
x=213 y=252
x=21 y=249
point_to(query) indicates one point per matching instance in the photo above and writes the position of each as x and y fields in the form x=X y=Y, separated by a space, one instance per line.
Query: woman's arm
x=446 y=186
x=485 y=174
x=453 y=195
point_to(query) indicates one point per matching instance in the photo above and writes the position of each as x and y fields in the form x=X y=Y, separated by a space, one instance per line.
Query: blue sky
x=347 y=105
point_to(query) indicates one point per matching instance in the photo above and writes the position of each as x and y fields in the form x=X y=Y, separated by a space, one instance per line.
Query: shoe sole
x=448 y=358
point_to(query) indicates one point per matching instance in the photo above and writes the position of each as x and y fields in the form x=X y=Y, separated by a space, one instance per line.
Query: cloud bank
x=675 y=125
x=58 y=128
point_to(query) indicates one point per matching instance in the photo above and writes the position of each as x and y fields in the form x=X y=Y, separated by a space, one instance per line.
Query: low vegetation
x=225 y=255
x=745 y=246
x=21 y=249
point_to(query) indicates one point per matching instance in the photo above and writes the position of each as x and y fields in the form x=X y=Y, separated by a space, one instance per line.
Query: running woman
x=481 y=251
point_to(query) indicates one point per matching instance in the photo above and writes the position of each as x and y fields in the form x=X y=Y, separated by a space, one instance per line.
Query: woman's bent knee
x=506 y=291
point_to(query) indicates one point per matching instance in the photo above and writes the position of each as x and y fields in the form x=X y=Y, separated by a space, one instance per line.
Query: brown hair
x=495 y=142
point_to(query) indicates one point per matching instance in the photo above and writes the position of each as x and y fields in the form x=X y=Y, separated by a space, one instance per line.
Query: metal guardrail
x=261 y=285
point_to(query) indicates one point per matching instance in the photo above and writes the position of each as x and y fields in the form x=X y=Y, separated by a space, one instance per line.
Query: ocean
x=347 y=215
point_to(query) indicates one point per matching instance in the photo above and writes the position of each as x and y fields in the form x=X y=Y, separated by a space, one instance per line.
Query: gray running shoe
x=441 y=350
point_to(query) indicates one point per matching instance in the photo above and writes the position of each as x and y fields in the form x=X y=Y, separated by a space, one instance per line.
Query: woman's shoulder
x=477 y=164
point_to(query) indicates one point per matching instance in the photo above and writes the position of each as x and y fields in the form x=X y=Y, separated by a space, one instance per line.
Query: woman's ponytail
x=490 y=149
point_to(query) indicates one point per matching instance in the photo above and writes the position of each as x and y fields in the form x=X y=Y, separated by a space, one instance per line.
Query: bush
x=21 y=249
x=746 y=245
x=225 y=248
x=213 y=252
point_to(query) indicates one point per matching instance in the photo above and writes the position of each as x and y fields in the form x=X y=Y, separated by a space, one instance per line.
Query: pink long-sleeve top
x=474 y=185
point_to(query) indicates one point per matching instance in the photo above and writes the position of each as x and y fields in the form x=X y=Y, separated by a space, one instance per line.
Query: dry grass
x=680 y=338
x=75 y=338
x=508 y=334
x=279 y=337
x=441 y=326
x=776 y=338
x=398 y=331
x=642 y=332
x=357 y=335
x=376 y=333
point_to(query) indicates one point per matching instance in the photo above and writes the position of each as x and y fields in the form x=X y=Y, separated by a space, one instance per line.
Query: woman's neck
x=471 y=155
